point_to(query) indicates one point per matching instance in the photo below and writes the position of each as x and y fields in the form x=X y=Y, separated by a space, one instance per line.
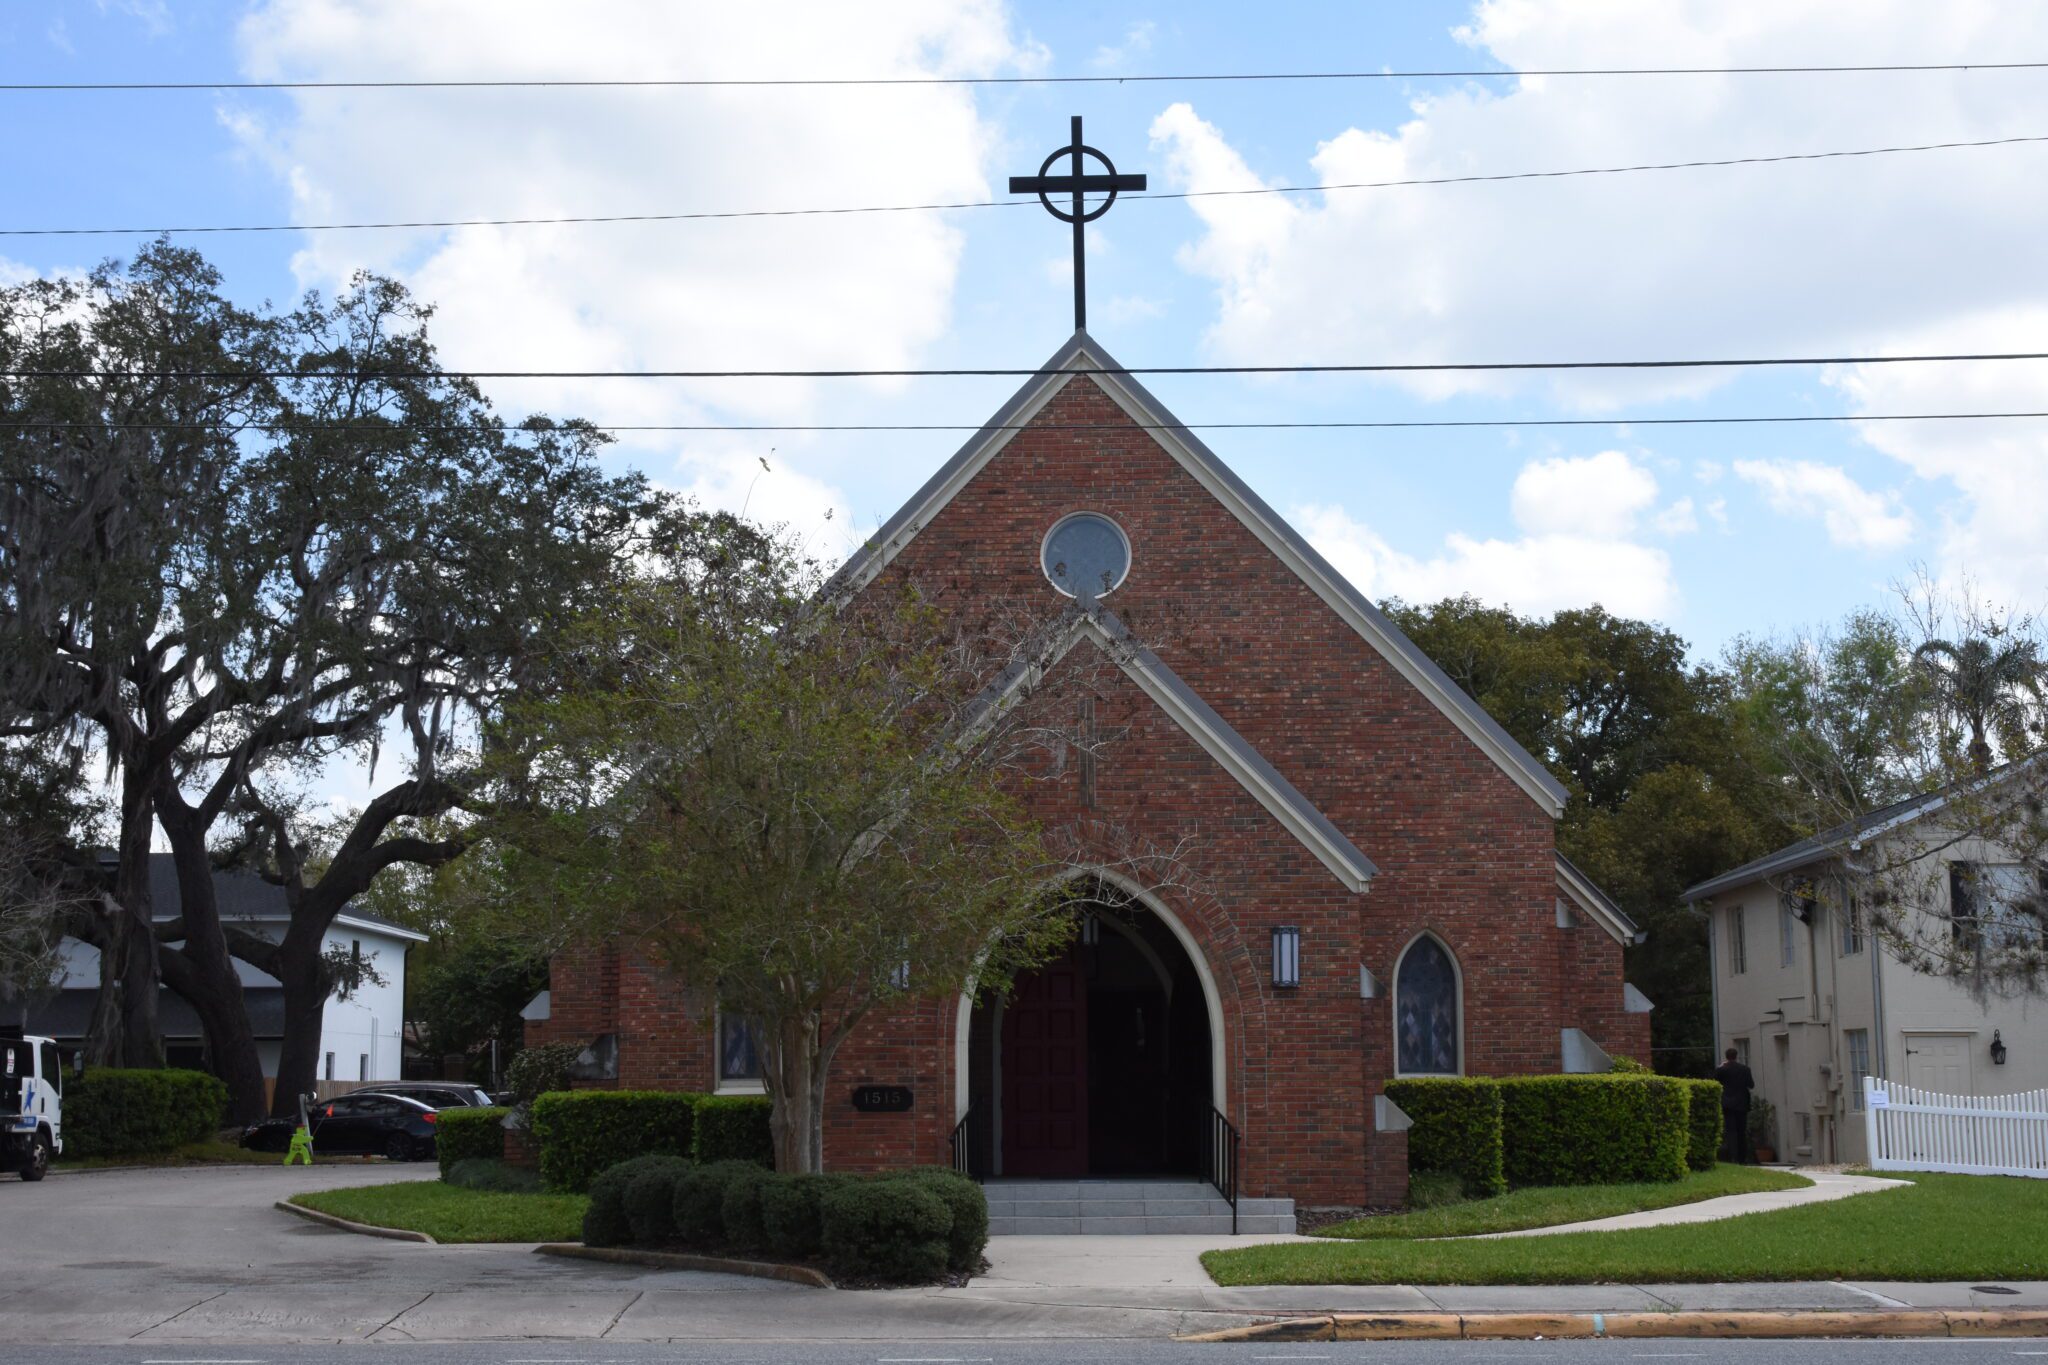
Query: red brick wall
x=1463 y=852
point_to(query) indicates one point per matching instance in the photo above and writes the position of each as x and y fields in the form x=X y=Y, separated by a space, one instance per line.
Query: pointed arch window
x=1428 y=1012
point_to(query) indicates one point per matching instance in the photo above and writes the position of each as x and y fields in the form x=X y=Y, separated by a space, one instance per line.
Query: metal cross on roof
x=1078 y=184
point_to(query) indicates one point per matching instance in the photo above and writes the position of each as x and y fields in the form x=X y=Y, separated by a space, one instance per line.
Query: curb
x=1552 y=1326
x=682 y=1260
x=367 y=1229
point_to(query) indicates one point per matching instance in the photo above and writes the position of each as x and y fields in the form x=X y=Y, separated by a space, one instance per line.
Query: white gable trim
x=1217 y=737
x=1596 y=905
x=1081 y=352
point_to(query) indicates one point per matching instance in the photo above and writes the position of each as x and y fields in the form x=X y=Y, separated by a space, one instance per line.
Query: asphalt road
x=1932 y=1352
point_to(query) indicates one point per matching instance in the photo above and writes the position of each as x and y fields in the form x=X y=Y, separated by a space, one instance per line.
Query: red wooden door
x=1045 y=1072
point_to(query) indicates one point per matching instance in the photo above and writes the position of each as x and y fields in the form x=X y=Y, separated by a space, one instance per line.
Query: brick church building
x=1380 y=892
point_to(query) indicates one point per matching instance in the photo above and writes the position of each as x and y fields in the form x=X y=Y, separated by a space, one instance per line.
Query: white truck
x=31 y=1105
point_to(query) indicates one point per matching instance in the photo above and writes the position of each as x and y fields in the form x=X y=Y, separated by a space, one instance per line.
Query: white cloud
x=1679 y=519
x=1578 y=516
x=1854 y=516
x=1595 y=495
x=791 y=293
x=1137 y=41
x=1739 y=260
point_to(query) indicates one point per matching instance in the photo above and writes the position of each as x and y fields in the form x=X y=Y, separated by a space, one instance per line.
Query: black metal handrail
x=958 y=1142
x=1219 y=1159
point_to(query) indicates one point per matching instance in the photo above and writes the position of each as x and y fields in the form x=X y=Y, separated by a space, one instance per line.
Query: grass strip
x=1941 y=1227
x=1546 y=1206
x=448 y=1213
x=190 y=1154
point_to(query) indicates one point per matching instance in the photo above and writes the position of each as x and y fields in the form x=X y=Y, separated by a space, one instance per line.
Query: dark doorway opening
x=1098 y=1063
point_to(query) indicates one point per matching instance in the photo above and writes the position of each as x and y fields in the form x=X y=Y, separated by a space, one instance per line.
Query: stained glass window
x=1086 y=555
x=1426 y=1011
x=739 y=1057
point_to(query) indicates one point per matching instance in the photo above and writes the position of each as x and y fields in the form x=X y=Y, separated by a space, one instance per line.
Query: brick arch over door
x=1212 y=997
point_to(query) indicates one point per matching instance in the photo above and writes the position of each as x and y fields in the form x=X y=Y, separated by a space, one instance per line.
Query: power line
x=713 y=215
x=783 y=82
x=1423 y=367
x=777 y=427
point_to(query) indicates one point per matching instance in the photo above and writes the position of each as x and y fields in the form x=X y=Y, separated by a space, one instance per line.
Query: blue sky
x=1716 y=531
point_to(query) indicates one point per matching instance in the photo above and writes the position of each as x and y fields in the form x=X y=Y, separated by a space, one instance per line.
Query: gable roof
x=1200 y=722
x=1586 y=894
x=1083 y=352
x=245 y=898
x=1850 y=835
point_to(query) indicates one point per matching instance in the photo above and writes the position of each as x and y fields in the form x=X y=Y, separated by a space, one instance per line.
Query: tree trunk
x=796 y=1088
x=203 y=972
x=303 y=974
x=103 y=1036
x=142 y=1041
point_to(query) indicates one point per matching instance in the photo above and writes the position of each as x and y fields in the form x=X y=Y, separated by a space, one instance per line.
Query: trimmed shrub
x=967 y=1238
x=604 y=1221
x=469 y=1135
x=700 y=1202
x=650 y=1200
x=1594 y=1130
x=492 y=1176
x=740 y=1211
x=734 y=1128
x=792 y=1219
x=890 y=1229
x=121 y=1112
x=1626 y=1066
x=1458 y=1128
x=1703 y=1124
x=583 y=1132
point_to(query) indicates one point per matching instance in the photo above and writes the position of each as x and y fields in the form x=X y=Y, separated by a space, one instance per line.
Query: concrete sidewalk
x=1826 y=1186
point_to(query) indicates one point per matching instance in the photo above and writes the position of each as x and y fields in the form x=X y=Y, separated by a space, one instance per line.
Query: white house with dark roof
x=361 y=1036
x=1814 y=1002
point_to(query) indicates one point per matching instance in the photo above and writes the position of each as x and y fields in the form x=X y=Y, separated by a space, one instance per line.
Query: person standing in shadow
x=1736 y=1085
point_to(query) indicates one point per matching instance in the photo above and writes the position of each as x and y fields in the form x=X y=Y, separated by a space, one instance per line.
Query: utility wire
x=1425 y=367
x=514 y=428
x=1810 y=69
x=712 y=215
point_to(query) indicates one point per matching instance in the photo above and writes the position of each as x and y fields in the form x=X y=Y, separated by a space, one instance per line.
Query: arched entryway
x=1104 y=1061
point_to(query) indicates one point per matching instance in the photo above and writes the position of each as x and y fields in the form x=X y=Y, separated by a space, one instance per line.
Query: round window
x=1086 y=555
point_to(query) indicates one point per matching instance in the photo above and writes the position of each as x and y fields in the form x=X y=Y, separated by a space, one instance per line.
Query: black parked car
x=440 y=1094
x=364 y=1123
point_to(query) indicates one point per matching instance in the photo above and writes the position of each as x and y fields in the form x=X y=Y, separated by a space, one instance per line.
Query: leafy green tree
x=1995 y=684
x=1665 y=787
x=804 y=810
x=257 y=545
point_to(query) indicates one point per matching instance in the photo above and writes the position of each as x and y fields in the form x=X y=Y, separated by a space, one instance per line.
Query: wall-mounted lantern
x=1997 y=1049
x=1287 y=956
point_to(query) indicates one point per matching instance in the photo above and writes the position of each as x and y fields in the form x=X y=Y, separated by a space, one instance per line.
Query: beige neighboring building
x=1814 y=1002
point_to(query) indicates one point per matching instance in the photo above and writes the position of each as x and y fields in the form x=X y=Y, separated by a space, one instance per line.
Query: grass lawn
x=448 y=1213
x=1945 y=1227
x=191 y=1154
x=1544 y=1206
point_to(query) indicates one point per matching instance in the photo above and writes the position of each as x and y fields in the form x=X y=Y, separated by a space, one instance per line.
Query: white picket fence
x=1919 y=1130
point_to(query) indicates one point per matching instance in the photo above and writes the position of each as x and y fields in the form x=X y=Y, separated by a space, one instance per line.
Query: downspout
x=1876 y=950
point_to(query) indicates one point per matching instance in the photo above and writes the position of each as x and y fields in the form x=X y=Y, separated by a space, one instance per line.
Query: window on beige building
x=1738 y=947
x=1851 y=927
x=1788 y=934
x=1858 y=1041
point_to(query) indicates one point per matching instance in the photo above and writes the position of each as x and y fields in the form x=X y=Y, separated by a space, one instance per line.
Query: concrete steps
x=1080 y=1207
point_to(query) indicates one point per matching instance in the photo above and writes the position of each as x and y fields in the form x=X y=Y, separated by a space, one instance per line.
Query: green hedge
x=604 y=1221
x=902 y=1226
x=112 y=1112
x=1457 y=1128
x=469 y=1134
x=886 y=1230
x=1593 y=1130
x=584 y=1132
x=734 y=1128
x=1703 y=1124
